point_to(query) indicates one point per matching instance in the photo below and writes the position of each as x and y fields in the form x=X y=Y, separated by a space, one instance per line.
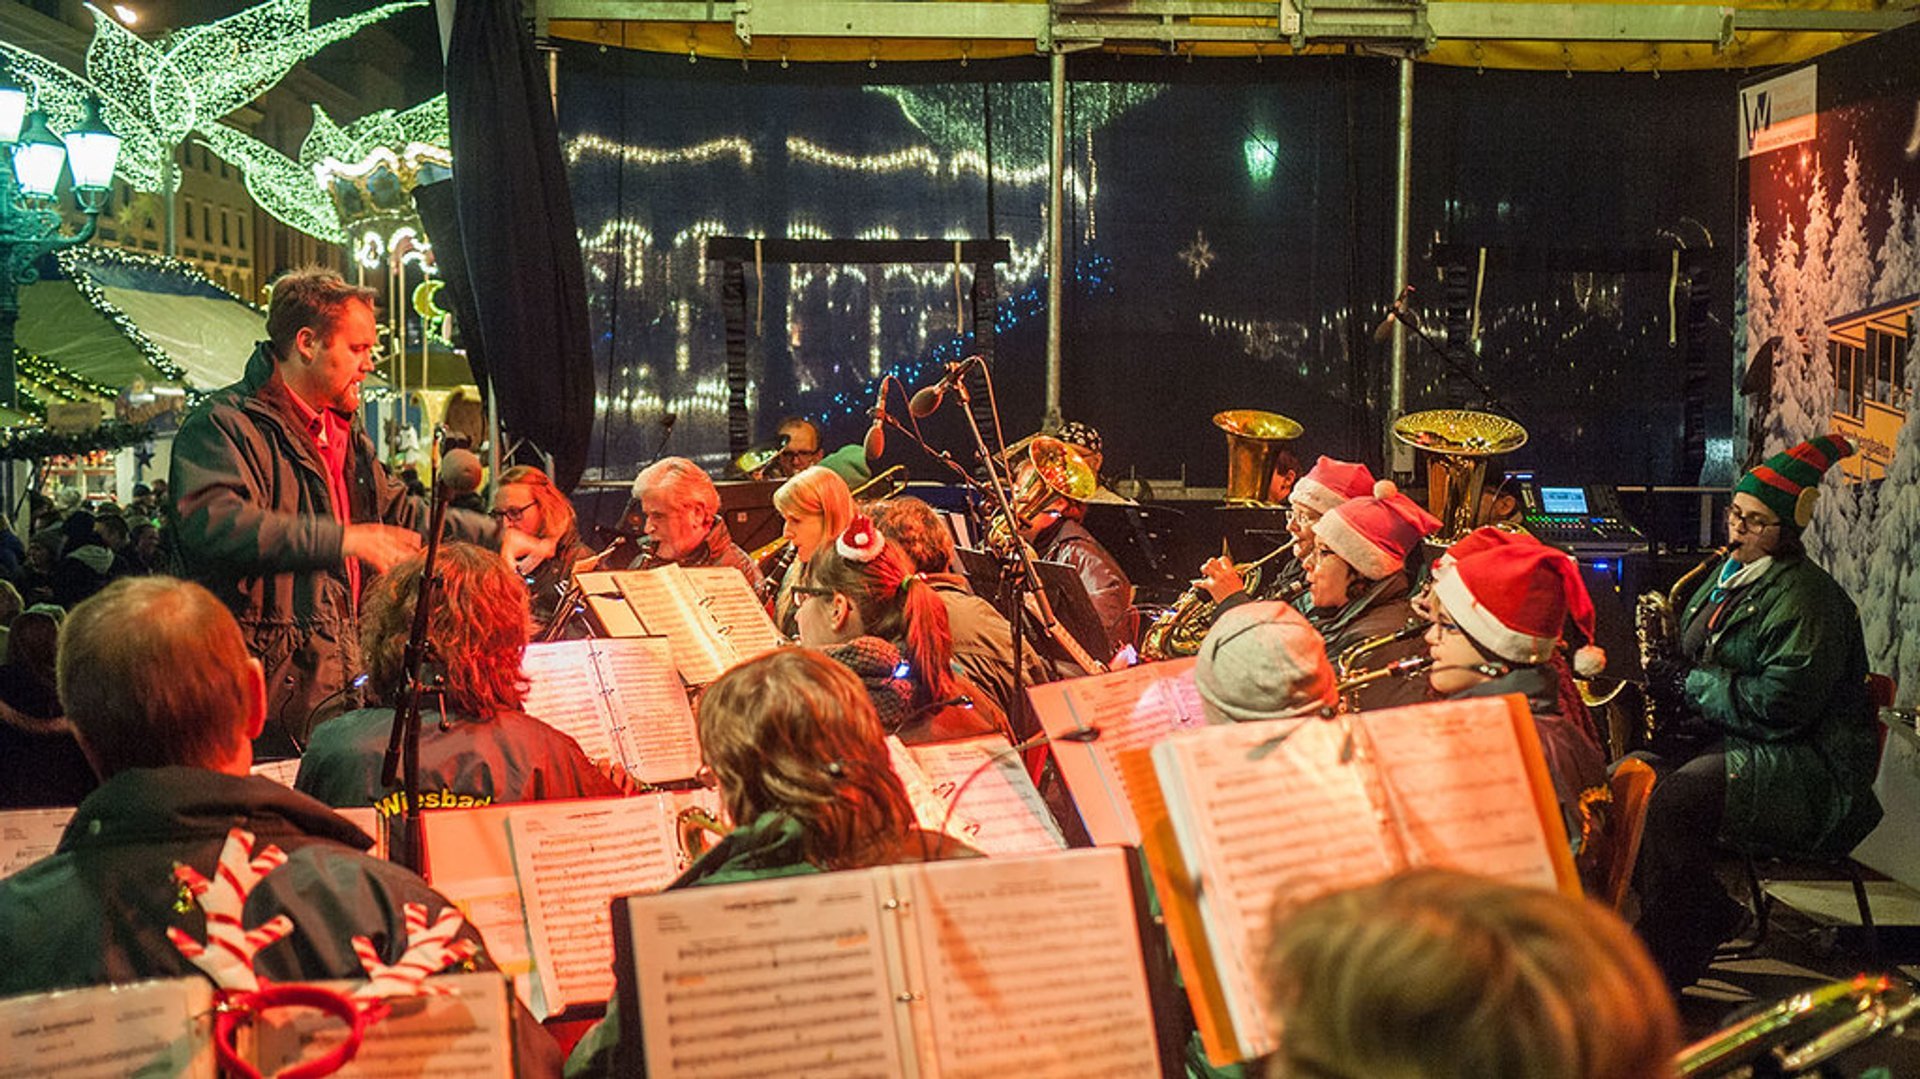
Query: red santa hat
x=1329 y=483
x=1479 y=539
x=1515 y=598
x=1374 y=535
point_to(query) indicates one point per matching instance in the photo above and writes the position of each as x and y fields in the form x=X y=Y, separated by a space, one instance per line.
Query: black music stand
x=1071 y=604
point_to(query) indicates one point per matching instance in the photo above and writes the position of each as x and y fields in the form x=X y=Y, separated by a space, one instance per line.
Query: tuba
x=1054 y=472
x=1254 y=439
x=1459 y=444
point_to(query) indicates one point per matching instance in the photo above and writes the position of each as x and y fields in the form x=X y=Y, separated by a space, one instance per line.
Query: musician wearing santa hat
x=1499 y=608
x=1360 y=581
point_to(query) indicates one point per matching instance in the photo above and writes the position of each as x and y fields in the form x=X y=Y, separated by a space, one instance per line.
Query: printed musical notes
x=28 y=835
x=570 y=859
x=709 y=615
x=159 y=1028
x=1134 y=707
x=465 y=1030
x=943 y=969
x=621 y=699
x=984 y=795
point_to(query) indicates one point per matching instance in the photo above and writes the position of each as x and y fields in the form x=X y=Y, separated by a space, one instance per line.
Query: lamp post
x=30 y=223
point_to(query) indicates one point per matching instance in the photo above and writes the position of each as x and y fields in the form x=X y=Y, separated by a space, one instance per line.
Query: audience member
x=85 y=566
x=476 y=746
x=165 y=702
x=40 y=762
x=1434 y=974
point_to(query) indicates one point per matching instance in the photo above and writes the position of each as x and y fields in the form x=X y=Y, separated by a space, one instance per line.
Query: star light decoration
x=154 y=94
x=1198 y=255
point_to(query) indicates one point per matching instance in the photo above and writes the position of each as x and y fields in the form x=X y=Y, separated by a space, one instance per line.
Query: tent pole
x=1056 y=177
x=1398 y=455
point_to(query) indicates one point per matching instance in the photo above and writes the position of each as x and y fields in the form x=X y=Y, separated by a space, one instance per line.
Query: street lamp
x=30 y=223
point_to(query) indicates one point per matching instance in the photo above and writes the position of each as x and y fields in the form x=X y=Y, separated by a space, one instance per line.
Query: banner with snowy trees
x=1824 y=336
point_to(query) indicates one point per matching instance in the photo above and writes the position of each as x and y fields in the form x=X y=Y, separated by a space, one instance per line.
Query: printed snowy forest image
x=1831 y=275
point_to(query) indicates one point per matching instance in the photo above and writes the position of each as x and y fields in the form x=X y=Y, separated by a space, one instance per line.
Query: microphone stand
x=1493 y=400
x=403 y=742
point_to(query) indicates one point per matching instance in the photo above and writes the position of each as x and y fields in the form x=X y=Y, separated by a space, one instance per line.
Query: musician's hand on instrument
x=1220 y=578
x=525 y=550
x=621 y=778
x=379 y=546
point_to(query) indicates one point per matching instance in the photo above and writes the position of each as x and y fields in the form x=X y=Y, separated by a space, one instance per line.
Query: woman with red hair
x=868 y=608
x=476 y=746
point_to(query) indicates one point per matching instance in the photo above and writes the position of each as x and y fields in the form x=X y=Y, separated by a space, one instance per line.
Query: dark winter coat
x=983 y=649
x=512 y=757
x=1783 y=675
x=1106 y=583
x=257 y=527
x=1381 y=609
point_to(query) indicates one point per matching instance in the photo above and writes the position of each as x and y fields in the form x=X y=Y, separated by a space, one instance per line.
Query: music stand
x=1071 y=604
x=1142 y=539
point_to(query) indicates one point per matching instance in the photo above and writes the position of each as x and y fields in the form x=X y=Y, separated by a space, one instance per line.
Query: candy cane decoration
x=228 y=953
x=430 y=949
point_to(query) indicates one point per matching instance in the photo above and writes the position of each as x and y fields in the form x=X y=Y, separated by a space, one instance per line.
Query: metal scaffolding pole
x=1398 y=455
x=1056 y=231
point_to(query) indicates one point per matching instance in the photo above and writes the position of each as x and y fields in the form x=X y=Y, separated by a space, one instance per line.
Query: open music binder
x=163 y=1029
x=535 y=880
x=1131 y=708
x=621 y=699
x=1238 y=821
x=1030 y=966
x=708 y=614
x=977 y=791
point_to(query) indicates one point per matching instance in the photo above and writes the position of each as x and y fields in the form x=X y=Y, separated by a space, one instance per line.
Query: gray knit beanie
x=1263 y=661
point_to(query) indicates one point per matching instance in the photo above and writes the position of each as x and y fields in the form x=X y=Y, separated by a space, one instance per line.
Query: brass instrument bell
x=1045 y=470
x=1254 y=440
x=1459 y=444
x=755 y=461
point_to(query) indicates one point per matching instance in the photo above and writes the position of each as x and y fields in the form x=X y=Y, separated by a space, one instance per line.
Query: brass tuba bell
x=1253 y=446
x=1458 y=444
x=1045 y=471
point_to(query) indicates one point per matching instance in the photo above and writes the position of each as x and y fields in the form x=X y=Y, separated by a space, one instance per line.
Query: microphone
x=875 y=443
x=927 y=401
x=1385 y=329
x=459 y=474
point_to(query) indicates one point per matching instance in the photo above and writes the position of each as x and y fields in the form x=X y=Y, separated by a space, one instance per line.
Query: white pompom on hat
x=1329 y=483
x=1515 y=599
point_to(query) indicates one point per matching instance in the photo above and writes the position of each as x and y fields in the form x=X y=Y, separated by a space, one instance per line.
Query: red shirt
x=333 y=438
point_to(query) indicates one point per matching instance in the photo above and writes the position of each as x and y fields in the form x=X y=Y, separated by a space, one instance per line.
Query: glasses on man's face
x=1748 y=522
x=512 y=514
x=795 y=456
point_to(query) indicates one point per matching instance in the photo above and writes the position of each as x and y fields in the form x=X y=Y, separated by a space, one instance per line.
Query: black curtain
x=517 y=237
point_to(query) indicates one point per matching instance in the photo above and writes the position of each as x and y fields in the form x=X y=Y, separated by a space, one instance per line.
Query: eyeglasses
x=1749 y=522
x=804 y=591
x=800 y=454
x=512 y=514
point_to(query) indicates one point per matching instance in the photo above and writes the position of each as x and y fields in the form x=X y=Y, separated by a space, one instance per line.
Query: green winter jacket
x=1783 y=677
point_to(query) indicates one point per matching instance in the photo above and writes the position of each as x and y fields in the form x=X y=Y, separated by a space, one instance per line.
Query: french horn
x=1458 y=443
x=1178 y=630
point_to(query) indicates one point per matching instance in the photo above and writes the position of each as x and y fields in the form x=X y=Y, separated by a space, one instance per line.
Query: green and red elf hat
x=1788 y=483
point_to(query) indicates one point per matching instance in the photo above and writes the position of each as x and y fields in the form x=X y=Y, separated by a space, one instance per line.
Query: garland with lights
x=36 y=443
x=73 y=264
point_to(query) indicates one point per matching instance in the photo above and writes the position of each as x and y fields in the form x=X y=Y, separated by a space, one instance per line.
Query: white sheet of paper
x=1002 y=811
x=154 y=1030
x=467 y=1031
x=1033 y=967
x=782 y=977
x=28 y=835
x=1135 y=707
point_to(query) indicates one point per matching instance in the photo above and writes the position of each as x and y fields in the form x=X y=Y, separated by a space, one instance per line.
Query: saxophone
x=1178 y=630
x=1657 y=632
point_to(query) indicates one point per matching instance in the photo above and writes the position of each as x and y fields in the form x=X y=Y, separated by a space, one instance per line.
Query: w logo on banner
x=1779 y=112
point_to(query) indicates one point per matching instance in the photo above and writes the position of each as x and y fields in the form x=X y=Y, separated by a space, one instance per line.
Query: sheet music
x=281 y=772
x=1273 y=822
x=785 y=977
x=28 y=835
x=930 y=811
x=1456 y=784
x=1135 y=707
x=669 y=606
x=469 y=861
x=155 y=1029
x=565 y=691
x=609 y=605
x=465 y=1032
x=572 y=859
x=1034 y=967
x=733 y=605
x=1006 y=814
x=652 y=722
x=621 y=699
